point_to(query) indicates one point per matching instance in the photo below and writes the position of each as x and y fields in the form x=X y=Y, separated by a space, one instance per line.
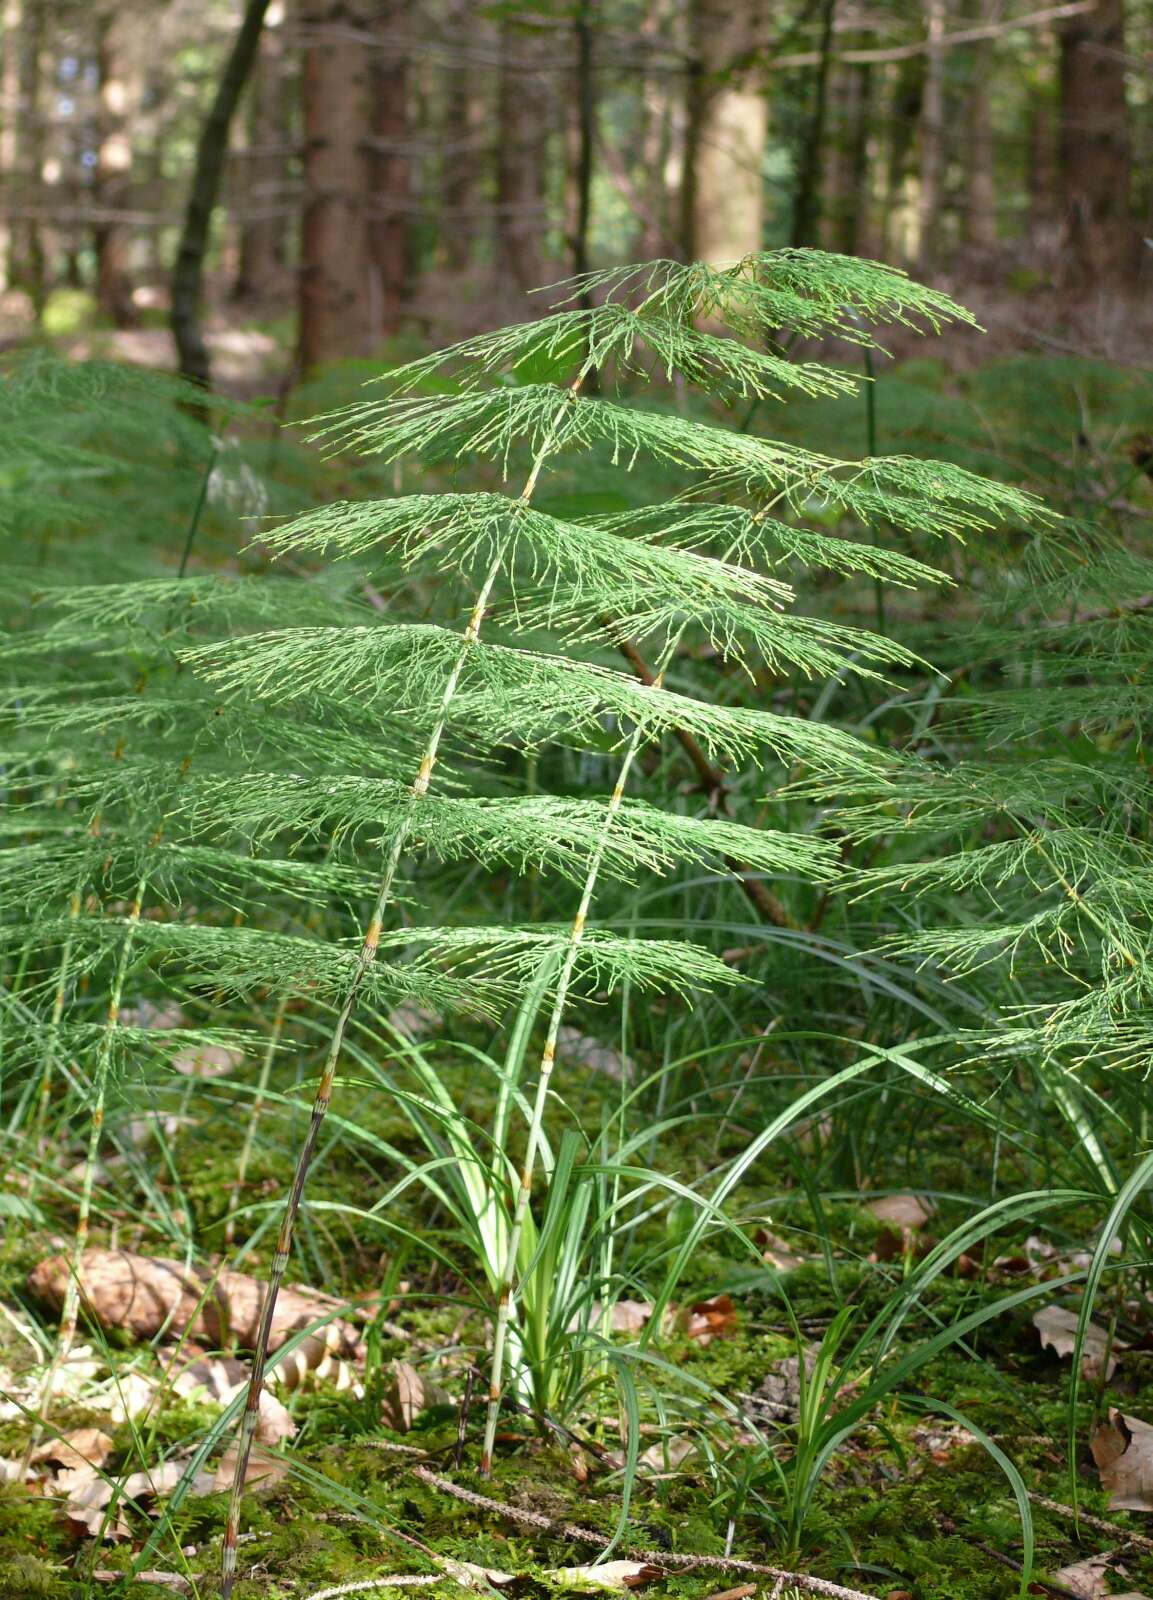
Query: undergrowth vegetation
x=644 y=908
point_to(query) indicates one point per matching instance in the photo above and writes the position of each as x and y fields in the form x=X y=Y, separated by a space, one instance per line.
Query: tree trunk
x=388 y=236
x=263 y=260
x=845 y=213
x=584 y=134
x=932 y=134
x=1095 y=156
x=807 y=200
x=466 y=138
x=118 y=99
x=22 y=148
x=336 y=96
x=979 y=225
x=897 y=221
x=523 y=128
x=211 y=151
x=722 y=201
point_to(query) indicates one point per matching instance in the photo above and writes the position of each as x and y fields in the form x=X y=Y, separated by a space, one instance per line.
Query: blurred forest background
x=418 y=165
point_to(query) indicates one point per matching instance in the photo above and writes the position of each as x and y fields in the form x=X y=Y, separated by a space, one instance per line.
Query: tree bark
x=722 y=201
x=118 y=97
x=807 y=200
x=211 y=152
x=263 y=259
x=1100 y=243
x=932 y=135
x=388 y=233
x=22 y=147
x=585 y=134
x=523 y=129
x=336 y=96
x=979 y=225
x=846 y=211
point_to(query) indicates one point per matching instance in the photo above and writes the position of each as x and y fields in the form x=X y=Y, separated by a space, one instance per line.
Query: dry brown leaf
x=264 y=1471
x=776 y=1252
x=207 y=1061
x=80 y=1448
x=625 y=1316
x=409 y=1393
x=1058 y=1332
x=86 y=1497
x=1123 y=1450
x=220 y=1381
x=710 y=1319
x=1090 y=1578
x=148 y=1294
x=667 y=1454
x=902 y=1210
x=590 y=1053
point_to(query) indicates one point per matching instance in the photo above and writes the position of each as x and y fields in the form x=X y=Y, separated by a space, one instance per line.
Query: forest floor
x=911 y=1503
x=370 y=1464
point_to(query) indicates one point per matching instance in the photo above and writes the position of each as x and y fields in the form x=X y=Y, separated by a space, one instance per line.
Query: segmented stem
x=70 y=1312
x=548 y=1060
x=365 y=960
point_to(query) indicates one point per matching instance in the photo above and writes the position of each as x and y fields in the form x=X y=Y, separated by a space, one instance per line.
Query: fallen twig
x=395 y=1580
x=656 y=1558
x=1099 y=1524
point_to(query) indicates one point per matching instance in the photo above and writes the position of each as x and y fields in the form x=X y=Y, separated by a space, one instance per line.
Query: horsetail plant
x=284 y=714
x=589 y=581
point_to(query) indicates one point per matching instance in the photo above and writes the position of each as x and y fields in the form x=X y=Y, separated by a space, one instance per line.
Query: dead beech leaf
x=667 y=1454
x=625 y=1316
x=592 y=1054
x=1089 y=1578
x=207 y=1061
x=86 y=1498
x=80 y=1448
x=1123 y=1450
x=710 y=1319
x=776 y=1252
x=263 y=1471
x=606 y=1575
x=1058 y=1332
x=220 y=1381
x=409 y=1393
x=901 y=1210
x=148 y=1294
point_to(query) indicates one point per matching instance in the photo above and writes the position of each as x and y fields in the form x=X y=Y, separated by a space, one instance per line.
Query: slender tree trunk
x=1043 y=166
x=389 y=233
x=932 y=135
x=908 y=77
x=523 y=124
x=585 y=133
x=467 y=138
x=1095 y=153
x=979 y=225
x=263 y=259
x=336 y=94
x=807 y=200
x=845 y=214
x=22 y=147
x=211 y=152
x=118 y=98
x=10 y=28
x=722 y=200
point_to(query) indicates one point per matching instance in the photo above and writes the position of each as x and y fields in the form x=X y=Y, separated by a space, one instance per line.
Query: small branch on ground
x=655 y=1558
